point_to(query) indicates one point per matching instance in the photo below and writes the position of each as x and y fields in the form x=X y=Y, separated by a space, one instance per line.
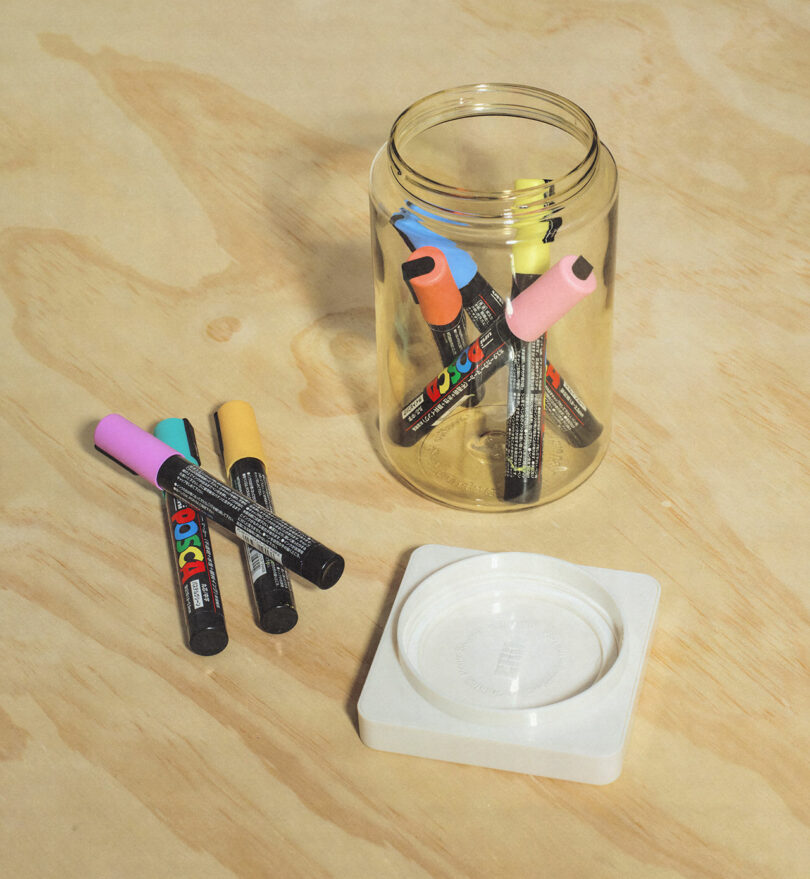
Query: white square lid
x=511 y=660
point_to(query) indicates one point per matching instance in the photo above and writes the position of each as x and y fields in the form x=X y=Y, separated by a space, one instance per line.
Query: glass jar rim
x=493 y=99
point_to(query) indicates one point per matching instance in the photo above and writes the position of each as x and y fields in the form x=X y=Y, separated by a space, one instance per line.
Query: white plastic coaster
x=510 y=660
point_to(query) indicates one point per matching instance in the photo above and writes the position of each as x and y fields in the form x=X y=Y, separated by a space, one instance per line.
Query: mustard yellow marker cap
x=238 y=433
x=530 y=254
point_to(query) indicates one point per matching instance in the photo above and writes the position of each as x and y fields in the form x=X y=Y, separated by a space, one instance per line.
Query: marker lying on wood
x=146 y=456
x=245 y=463
x=192 y=552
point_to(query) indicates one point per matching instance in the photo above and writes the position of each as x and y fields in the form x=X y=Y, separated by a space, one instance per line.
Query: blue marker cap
x=179 y=434
x=462 y=265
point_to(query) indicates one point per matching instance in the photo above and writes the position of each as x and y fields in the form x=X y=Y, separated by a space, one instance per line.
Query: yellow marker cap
x=238 y=433
x=529 y=182
x=530 y=254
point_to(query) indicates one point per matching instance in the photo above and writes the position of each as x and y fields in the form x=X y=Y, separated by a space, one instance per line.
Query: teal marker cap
x=179 y=434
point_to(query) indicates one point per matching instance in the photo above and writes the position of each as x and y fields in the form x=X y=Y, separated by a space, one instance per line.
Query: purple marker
x=145 y=455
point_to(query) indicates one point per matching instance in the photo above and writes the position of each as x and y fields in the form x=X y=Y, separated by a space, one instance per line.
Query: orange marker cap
x=436 y=291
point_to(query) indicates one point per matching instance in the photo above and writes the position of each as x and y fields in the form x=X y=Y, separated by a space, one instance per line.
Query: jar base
x=474 y=479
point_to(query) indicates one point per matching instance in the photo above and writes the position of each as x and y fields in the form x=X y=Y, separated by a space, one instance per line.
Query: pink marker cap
x=135 y=449
x=552 y=295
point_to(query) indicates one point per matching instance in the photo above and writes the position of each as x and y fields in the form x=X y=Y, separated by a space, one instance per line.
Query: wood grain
x=184 y=221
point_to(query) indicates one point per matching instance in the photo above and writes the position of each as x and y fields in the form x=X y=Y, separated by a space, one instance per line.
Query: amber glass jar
x=495 y=191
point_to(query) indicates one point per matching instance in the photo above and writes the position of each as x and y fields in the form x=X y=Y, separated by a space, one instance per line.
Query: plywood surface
x=184 y=221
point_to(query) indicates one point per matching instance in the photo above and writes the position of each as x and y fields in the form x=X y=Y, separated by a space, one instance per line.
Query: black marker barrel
x=193 y=555
x=525 y=428
x=138 y=451
x=245 y=464
x=572 y=418
x=523 y=458
x=253 y=524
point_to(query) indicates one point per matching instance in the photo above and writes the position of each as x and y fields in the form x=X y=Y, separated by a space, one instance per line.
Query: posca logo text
x=188 y=543
x=452 y=375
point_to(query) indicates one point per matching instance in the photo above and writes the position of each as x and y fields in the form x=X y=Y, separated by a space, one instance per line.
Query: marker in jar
x=146 y=456
x=245 y=464
x=194 y=558
x=569 y=415
x=530 y=258
x=524 y=320
x=481 y=302
x=428 y=277
x=523 y=459
x=531 y=252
